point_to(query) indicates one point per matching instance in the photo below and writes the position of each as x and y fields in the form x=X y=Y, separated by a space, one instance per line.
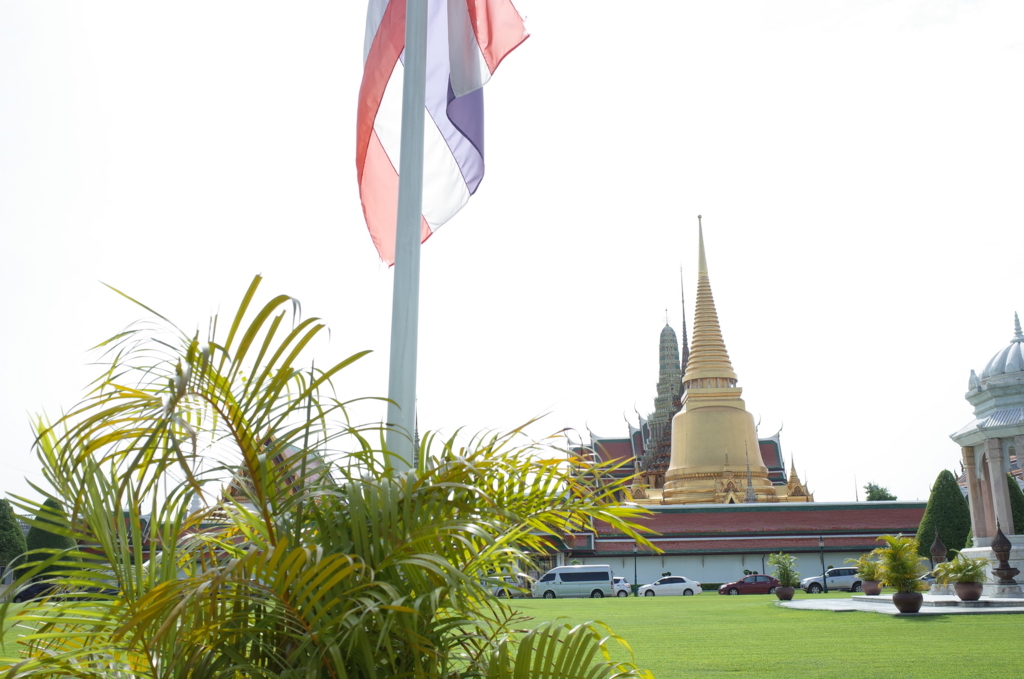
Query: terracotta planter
x=784 y=593
x=908 y=602
x=968 y=591
x=872 y=587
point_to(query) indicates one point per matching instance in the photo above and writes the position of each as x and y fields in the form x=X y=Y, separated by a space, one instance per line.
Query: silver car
x=517 y=587
x=844 y=579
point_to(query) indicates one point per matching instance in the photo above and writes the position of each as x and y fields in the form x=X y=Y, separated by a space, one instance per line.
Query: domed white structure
x=1010 y=360
x=988 y=442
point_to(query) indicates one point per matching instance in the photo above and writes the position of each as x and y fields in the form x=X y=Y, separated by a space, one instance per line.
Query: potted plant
x=902 y=568
x=785 y=573
x=965 y=573
x=869 y=572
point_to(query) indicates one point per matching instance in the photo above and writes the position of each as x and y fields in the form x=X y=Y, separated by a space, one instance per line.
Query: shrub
x=948 y=511
x=1016 y=504
x=785 y=569
x=39 y=538
x=12 y=540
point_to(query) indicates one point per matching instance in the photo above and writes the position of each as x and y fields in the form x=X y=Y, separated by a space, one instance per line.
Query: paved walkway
x=933 y=605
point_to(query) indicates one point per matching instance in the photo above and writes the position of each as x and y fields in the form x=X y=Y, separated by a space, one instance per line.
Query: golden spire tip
x=702 y=264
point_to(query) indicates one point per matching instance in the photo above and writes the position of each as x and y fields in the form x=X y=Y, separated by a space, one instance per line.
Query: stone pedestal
x=1016 y=560
x=996 y=591
x=941 y=590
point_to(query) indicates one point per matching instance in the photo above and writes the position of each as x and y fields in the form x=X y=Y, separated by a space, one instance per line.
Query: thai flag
x=466 y=40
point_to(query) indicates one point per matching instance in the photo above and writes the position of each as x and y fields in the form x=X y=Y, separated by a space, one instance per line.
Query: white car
x=671 y=585
x=622 y=588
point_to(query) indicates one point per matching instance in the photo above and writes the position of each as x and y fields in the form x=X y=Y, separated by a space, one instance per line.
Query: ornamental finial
x=1018 y=336
x=702 y=262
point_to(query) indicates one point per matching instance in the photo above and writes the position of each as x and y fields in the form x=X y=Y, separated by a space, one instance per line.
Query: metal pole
x=635 y=583
x=406 y=295
x=824 y=581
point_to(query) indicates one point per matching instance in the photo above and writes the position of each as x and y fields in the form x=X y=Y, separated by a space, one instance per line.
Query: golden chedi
x=714 y=438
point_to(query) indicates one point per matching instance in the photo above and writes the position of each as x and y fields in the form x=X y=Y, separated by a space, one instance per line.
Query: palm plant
x=319 y=559
x=868 y=568
x=901 y=567
x=962 y=569
x=785 y=569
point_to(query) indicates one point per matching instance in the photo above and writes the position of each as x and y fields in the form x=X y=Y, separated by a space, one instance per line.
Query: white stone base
x=941 y=590
x=997 y=591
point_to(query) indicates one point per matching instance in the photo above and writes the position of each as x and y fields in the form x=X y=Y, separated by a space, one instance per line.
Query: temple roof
x=780 y=518
x=1009 y=360
x=708 y=355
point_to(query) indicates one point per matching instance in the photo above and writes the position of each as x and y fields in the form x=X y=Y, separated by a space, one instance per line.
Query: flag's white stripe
x=444 y=189
x=468 y=67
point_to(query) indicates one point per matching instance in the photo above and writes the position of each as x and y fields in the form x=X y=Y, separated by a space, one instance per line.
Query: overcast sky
x=858 y=166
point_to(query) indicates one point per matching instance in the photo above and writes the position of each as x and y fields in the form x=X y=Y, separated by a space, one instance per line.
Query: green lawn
x=10 y=647
x=748 y=636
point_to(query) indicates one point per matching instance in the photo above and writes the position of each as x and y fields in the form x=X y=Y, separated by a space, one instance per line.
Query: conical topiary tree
x=1016 y=504
x=40 y=538
x=12 y=540
x=948 y=511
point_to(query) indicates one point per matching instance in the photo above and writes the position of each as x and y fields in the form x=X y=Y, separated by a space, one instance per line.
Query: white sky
x=858 y=167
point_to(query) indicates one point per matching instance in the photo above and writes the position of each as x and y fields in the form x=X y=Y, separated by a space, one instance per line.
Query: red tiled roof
x=782 y=518
x=638 y=441
x=809 y=543
x=614 y=449
x=769 y=454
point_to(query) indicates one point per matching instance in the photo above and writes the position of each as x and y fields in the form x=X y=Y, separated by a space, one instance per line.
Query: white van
x=594 y=581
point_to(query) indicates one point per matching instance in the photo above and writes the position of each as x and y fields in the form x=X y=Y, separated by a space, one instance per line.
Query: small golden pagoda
x=714 y=424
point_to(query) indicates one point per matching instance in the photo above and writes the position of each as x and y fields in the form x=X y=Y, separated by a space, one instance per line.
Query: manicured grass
x=749 y=636
x=10 y=647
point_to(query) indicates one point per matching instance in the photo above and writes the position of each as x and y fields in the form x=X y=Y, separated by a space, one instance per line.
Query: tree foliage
x=1016 y=504
x=322 y=559
x=873 y=493
x=48 y=538
x=12 y=540
x=947 y=511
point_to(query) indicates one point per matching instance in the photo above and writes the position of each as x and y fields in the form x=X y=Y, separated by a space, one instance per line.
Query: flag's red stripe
x=499 y=29
x=378 y=190
x=387 y=46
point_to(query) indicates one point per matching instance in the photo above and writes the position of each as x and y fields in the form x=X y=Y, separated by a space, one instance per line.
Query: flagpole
x=406 y=294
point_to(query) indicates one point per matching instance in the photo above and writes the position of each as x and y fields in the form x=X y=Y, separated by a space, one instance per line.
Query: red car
x=752 y=584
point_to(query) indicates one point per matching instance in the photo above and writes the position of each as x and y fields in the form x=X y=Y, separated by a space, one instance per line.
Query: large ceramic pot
x=784 y=593
x=968 y=591
x=908 y=602
x=872 y=587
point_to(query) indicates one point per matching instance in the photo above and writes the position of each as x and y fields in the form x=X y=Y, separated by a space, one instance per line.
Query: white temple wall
x=712 y=568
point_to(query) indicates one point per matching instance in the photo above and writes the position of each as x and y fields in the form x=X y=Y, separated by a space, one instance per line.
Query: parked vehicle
x=34 y=590
x=672 y=585
x=622 y=587
x=593 y=581
x=517 y=587
x=752 y=584
x=845 y=579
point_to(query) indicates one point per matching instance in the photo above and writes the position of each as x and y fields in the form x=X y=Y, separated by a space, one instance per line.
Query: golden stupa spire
x=709 y=364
